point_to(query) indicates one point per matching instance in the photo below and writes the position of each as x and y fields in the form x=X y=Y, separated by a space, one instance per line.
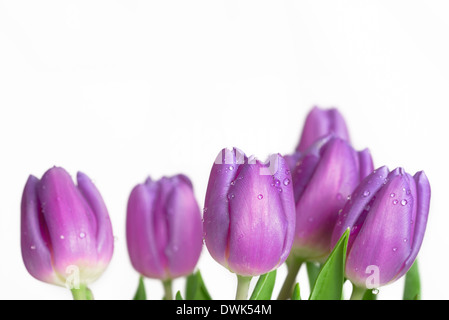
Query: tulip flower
x=322 y=181
x=320 y=123
x=164 y=229
x=387 y=215
x=323 y=178
x=249 y=214
x=66 y=232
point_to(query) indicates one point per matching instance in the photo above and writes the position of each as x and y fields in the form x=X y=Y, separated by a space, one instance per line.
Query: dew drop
x=33 y=247
x=286 y=182
x=409 y=191
x=231 y=196
x=82 y=235
x=366 y=193
x=375 y=291
x=392 y=195
x=405 y=240
x=395 y=249
x=287 y=172
x=395 y=201
x=204 y=209
x=348 y=197
x=232 y=183
x=280 y=189
x=277 y=183
x=260 y=197
x=231 y=168
x=403 y=202
x=62 y=237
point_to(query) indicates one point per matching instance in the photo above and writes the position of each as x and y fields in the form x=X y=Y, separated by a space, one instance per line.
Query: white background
x=122 y=90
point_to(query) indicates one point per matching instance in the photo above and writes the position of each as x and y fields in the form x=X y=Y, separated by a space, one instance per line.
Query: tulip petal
x=319 y=123
x=184 y=228
x=224 y=172
x=422 y=204
x=354 y=211
x=70 y=221
x=257 y=239
x=366 y=165
x=105 y=238
x=140 y=235
x=316 y=211
x=35 y=242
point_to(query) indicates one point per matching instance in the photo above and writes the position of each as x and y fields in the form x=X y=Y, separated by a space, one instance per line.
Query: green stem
x=287 y=288
x=357 y=293
x=82 y=293
x=242 y=287
x=168 y=289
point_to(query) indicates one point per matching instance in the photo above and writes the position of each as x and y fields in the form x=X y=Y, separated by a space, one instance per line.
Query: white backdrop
x=122 y=90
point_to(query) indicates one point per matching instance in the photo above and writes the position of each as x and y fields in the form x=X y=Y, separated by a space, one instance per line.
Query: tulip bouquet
x=325 y=206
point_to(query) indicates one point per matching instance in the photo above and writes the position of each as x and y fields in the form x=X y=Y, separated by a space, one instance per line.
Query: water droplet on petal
x=82 y=235
x=366 y=193
x=286 y=182
x=277 y=183
x=61 y=237
x=231 y=168
x=403 y=202
x=260 y=197
x=280 y=189
x=409 y=191
x=392 y=195
x=395 y=201
x=375 y=291
x=395 y=249
x=33 y=247
x=231 y=196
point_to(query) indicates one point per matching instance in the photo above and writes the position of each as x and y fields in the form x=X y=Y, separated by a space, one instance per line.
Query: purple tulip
x=163 y=228
x=387 y=215
x=249 y=213
x=320 y=123
x=323 y=178
x=64 y=228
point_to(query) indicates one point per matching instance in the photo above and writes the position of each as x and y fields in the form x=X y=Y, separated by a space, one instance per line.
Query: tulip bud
x=66 y=232
x=387 y=215
x=320 y=123
x=163 y=228
x=249 y=213
x=323 y=178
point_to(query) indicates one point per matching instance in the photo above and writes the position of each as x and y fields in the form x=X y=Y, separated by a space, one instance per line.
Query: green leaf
x=195 y=288
x=313 y=269
x=179 y=296
x=330 y=280
x=264 y=286
x=140 y=293
x=412 y=286
x=296 y=292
